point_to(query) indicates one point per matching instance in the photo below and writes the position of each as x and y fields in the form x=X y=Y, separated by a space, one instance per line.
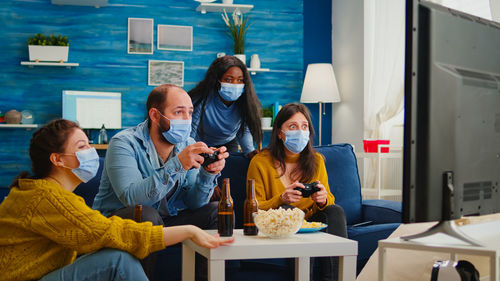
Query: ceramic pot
x=13 y=117
x=242 y=58
x=227 y=1
x=48 y=53
x=255 y=61
x=265 y=122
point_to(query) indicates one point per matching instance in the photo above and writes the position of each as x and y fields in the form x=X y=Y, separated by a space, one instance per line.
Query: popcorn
x=279 y=222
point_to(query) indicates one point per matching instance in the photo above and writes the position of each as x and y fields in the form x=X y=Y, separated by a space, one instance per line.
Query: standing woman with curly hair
x=226 y=107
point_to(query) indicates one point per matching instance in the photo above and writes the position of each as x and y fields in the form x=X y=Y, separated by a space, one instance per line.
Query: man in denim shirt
x=158 y=165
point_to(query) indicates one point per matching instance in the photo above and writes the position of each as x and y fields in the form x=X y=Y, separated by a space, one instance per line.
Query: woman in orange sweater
x=287 y=163
x=44 y=226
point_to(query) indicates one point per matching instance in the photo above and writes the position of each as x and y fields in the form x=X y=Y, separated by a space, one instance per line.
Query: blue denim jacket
x=133 y=174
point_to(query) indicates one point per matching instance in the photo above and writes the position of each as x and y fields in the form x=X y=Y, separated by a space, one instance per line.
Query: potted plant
x=52 y=48
x=267 y=117
x=237 y=28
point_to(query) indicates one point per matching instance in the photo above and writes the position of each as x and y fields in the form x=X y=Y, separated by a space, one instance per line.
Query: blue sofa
x=368 y=220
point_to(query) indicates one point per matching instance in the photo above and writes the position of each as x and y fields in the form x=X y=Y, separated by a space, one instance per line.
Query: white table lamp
x=320 y=86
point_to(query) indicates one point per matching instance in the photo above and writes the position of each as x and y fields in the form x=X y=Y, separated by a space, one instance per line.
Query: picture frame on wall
x=175 y=37
x=140 y=36
x=163 y=72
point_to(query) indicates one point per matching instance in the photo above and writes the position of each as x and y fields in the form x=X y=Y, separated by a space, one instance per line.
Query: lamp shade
x=320 y=84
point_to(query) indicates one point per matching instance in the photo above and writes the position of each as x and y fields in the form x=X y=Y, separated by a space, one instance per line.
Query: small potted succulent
x=267 y=117
x=51 y=48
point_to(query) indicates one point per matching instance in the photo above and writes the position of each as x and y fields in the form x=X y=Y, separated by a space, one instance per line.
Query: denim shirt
x=221 y=124
x=133 y=174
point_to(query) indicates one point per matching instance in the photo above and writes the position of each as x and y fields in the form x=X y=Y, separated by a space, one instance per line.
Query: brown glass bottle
x=251 y=206
x=138 y=213
x=226 y=214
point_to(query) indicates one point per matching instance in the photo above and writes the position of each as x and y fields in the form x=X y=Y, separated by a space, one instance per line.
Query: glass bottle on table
x=225 y=211
x=251 y=206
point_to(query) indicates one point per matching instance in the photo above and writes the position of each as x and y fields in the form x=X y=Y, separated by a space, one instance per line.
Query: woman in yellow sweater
x=44 y=226
x=287 y=163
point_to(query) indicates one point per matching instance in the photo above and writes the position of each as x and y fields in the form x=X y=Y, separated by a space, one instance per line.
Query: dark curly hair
x=248 y=103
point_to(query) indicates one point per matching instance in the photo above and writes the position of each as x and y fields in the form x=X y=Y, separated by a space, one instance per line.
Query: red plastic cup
x=371 y=146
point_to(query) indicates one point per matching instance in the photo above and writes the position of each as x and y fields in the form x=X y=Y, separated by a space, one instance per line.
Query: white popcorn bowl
x=276 y=223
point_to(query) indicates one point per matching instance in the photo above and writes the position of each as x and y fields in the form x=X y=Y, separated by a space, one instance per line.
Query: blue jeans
x=105 y=264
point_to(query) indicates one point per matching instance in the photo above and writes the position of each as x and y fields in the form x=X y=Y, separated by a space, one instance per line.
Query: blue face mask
x=179 y=131
x=296 y=140
x=231 y=92
x=89 y=164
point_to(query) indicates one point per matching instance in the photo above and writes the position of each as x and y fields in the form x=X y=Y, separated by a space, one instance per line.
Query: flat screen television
x=451 y=158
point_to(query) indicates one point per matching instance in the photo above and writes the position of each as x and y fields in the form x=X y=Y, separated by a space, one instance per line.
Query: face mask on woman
x=89 y=164
x=179 y=131
x=231 y=92
x=296 y=140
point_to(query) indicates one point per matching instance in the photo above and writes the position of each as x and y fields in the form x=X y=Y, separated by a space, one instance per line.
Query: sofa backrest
x=343 y=179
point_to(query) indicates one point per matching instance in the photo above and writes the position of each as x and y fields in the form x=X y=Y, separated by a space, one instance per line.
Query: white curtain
x=384 y=69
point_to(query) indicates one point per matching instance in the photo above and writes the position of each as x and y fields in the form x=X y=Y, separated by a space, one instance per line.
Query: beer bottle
x=138 y=213
x=226 y=215
x=251 y=206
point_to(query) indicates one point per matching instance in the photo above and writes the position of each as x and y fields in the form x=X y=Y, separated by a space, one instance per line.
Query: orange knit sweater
x=43 y=227
x=268 y=185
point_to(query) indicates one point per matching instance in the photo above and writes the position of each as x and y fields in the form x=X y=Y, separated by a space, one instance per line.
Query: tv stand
x=447 y=227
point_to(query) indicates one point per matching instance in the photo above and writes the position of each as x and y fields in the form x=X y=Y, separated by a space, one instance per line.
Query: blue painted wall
x=287 y=35
x=98 y=42
x=318 y=49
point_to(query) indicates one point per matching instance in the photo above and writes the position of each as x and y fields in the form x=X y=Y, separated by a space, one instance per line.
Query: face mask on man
x=89 y=164
x=296 y=140
x=179 y=131
x=231 y=92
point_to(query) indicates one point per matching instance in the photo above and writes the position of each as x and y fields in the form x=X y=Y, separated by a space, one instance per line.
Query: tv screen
x=452 y=114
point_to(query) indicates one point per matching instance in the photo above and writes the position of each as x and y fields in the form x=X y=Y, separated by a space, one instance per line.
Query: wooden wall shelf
x=220 y=7
x=66 y=64
x=23 y=126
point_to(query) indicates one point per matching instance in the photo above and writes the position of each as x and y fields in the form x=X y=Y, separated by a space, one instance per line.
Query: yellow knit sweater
x=268 y=185
x=43 y=227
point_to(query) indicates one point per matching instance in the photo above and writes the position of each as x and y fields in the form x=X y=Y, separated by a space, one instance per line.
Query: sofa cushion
x=343 y=179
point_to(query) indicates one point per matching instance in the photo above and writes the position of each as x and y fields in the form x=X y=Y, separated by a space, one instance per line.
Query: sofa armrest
x=381 y=211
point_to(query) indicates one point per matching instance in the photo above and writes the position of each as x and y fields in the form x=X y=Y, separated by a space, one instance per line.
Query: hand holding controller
x=209 y=158
x=309 y=189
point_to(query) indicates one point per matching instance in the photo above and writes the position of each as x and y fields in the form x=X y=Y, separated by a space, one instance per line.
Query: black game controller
x=309 y=189
x=209 y=158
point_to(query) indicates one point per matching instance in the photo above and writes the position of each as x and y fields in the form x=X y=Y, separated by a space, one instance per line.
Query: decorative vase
x=255 y=61
x=48 y=53
x=265 y=122
x=13 y=117
x=227 y=2
x=242 y=57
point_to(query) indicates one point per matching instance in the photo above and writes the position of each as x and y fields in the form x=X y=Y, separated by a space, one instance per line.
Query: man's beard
x=160 y=132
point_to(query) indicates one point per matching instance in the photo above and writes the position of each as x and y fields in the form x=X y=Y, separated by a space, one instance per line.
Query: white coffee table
x=299 y=246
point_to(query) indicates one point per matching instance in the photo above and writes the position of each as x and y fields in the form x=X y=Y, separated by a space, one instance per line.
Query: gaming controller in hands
x=309 y=189
x=209 y=158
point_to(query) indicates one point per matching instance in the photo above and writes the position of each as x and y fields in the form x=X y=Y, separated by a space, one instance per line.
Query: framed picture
x=163 y=72
x=175 y=37
x=140 y=36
